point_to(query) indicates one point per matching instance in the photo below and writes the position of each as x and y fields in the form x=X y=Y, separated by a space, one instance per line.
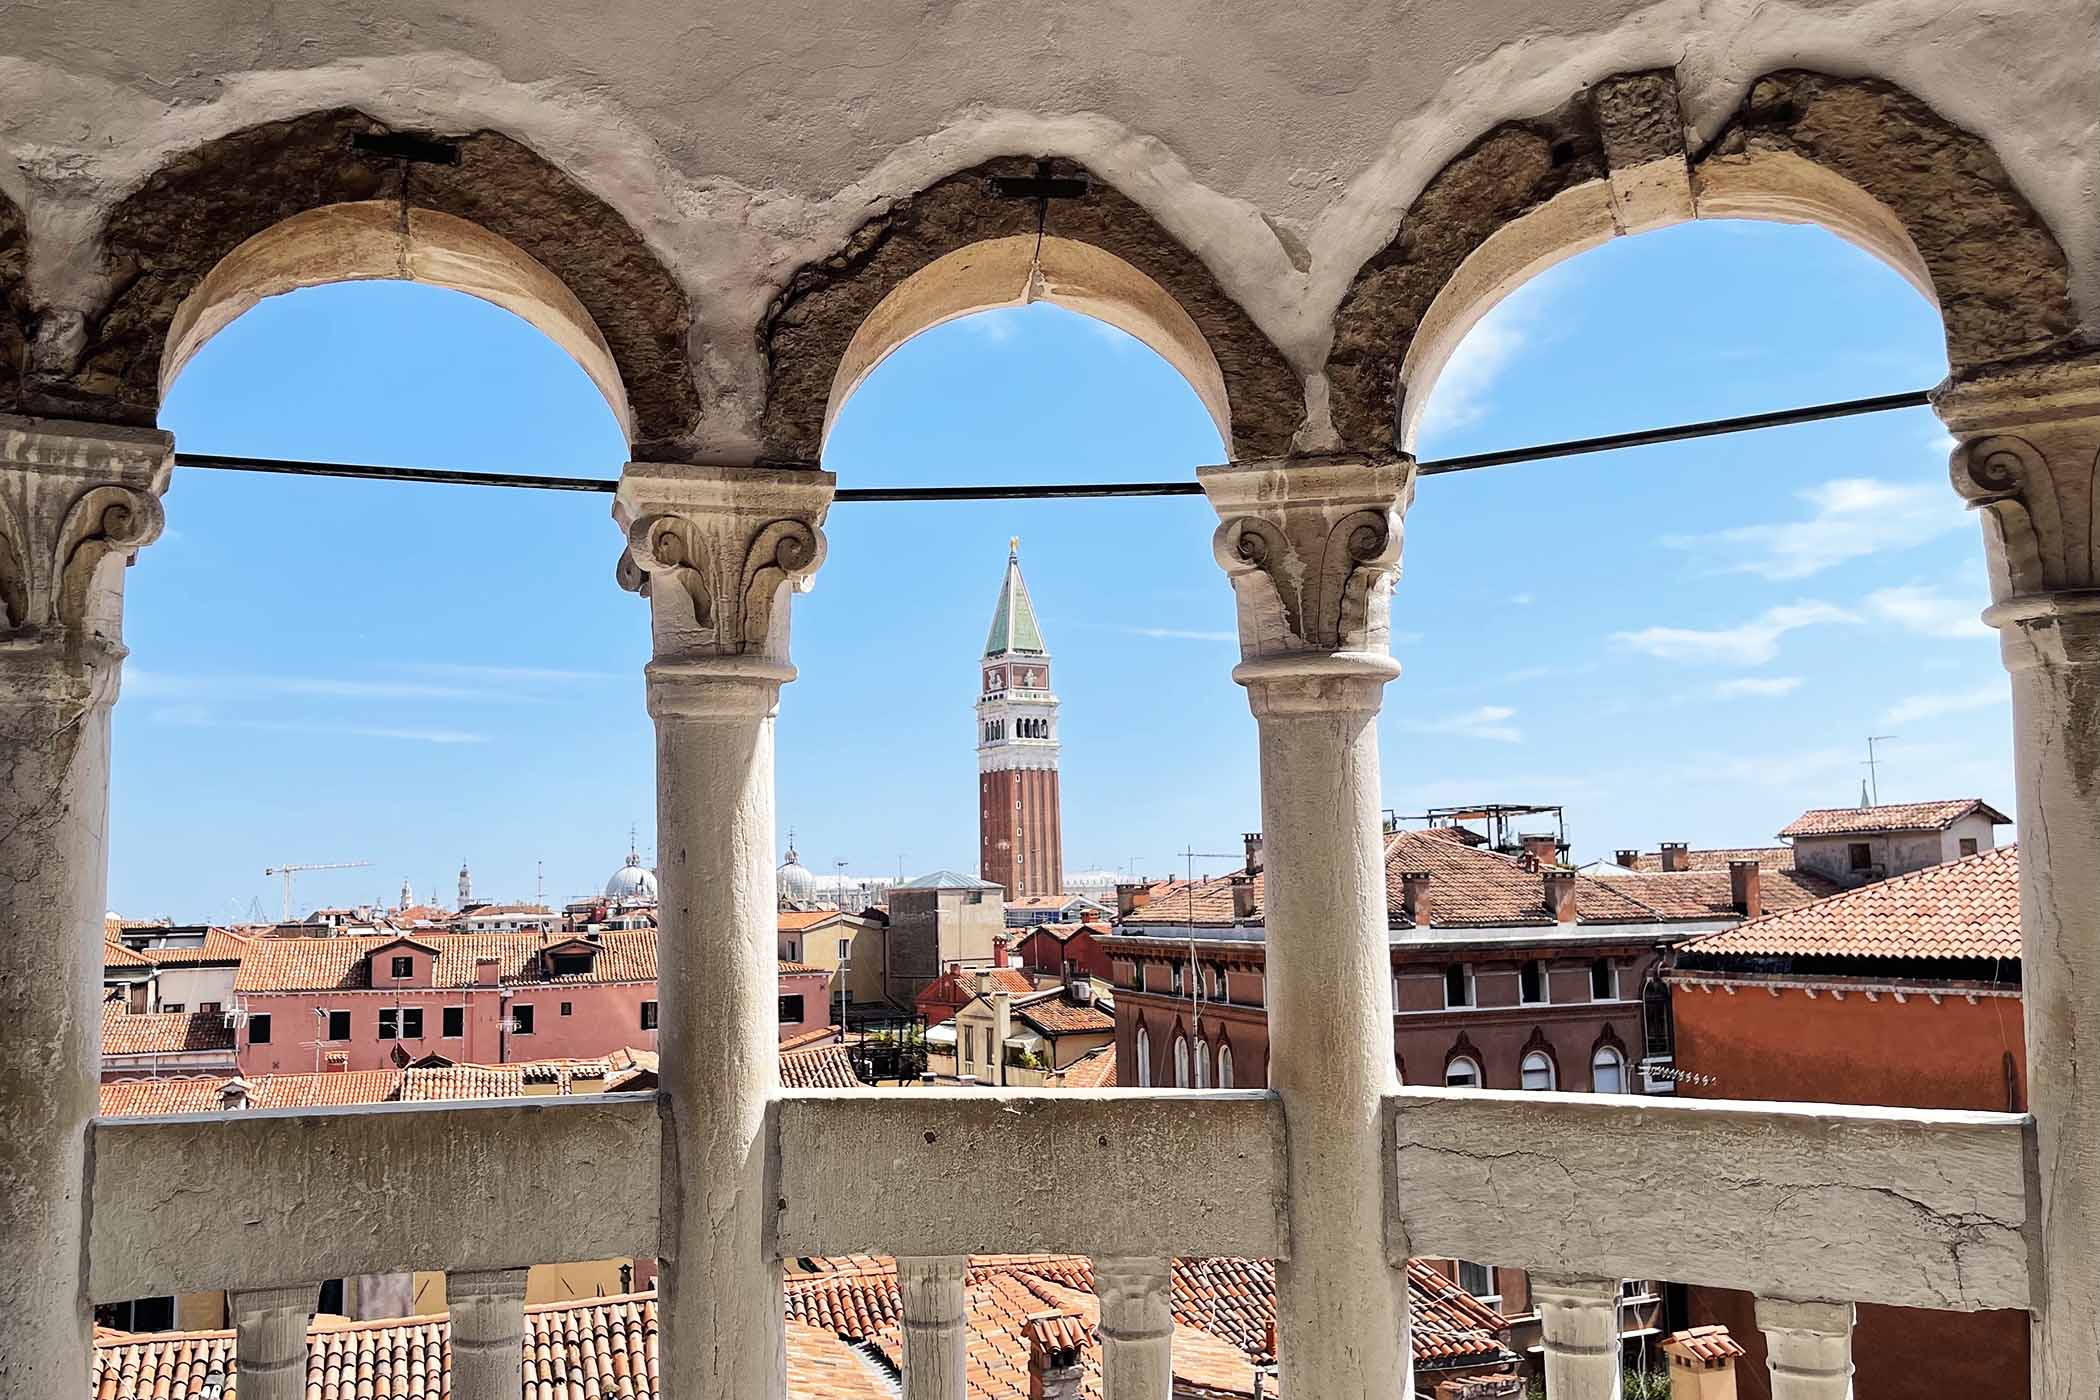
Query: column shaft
x=76 y=501
x=1137 y=1327
x=931 y=1294
x=717 y=551
x=1579 y=1325
x=1808 y=1347
x=488 y=1333
x=270 y=1341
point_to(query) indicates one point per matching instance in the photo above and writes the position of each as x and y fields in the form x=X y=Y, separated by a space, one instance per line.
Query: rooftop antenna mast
x=1189 y=856
x=288 y=871
x=1873 y=764
x=539 y=882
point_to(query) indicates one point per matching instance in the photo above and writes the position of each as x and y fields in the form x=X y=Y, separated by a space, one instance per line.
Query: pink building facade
x=376 y=1002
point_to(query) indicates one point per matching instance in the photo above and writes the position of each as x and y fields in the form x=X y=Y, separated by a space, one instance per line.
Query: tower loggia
x=1020 y=838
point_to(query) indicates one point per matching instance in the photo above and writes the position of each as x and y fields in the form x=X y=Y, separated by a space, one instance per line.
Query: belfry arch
x=1857 y=156
x=313 y=200
x=960 y=246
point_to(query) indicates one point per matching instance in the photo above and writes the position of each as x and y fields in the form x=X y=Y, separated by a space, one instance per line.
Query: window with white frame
x=1604 y=980
x=1177 y=976
x=1458 y=984
x=1202 y=1063
x=1462 y=1073
x=1181 y=1062
x=1608 y=1071
x=1537 y=1071
x=1144 y=1058
x=1478 y=1280
x=1532 y=986
x=1224 y=1066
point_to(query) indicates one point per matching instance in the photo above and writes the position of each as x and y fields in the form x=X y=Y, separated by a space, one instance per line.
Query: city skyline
x=1692 y=643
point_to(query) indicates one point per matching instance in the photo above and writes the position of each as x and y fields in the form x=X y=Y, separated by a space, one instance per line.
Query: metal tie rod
x=1641 y=437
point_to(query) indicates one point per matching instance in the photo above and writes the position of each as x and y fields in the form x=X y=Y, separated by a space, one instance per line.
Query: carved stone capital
x=77 y=502
x=717 y=551
x=2027 y=459
x=1312 y=546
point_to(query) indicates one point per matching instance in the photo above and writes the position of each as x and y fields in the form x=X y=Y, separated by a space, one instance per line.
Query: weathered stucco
x=14 y=301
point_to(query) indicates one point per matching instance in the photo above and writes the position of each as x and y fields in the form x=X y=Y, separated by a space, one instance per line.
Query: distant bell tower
x=1020 y=835
x=466 y=886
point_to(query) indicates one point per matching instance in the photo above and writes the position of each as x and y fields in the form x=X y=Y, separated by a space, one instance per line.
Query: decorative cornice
x=717 y=551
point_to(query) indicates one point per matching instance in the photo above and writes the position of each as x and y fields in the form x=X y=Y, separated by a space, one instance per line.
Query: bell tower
x=1020 y=838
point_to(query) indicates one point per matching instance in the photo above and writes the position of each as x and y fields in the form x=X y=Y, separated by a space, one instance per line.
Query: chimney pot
x=1676 y=856
x=1242 y=897
x=1253 y=843
x=1630 y=860
x=999 y=951
x=1130 y=898
x=1746 y=887
x=1542 y=848
x=1054 y=1368
x=1560 y=895
x=1414 y=897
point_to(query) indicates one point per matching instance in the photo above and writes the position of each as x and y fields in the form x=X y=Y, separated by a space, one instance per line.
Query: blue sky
x=1688 y=642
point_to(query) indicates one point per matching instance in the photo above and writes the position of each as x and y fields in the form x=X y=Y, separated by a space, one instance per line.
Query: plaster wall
x=602 y=1017
x=192 y=987
x=1896 y=853
x=1279 y=145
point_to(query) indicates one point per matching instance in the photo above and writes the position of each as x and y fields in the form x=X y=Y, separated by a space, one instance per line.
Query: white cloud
x=1520 y=600
x=1461 y=392
x=1757 y=687
x=1751 y=644
x=996 y=325
x=1178 y=634
x=159 y=685
x=200 y=717
x=1928 y=613
x=1849 y=518
x=520 y=674
x=1917 y=707
x=1485 y=722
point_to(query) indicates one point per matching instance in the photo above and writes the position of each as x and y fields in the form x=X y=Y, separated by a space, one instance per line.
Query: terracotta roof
x=792 y=968
x=815 y=1035
x=220 y=946
x=825 y=1066
x=600 y=1347
x=298 y=964
x=186 y=1094
x=956 y=988
x=1892 y=816
x=1094 y=1070
x=1717 y=858
x=1708 y=894
x=115 y=954
x=1969 y=908
x=162 y=1032
x=1710 y=1343
x=1054 y=1014
x=1065 y=933
x=796 y=920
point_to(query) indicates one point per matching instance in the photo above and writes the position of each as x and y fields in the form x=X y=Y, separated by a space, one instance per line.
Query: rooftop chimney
x=1746 y=888
x=1002 y=1027
x=1702 y=1363
x=1489 y=1387
x=1676 y=856
x=1414 y=897
x=1242 y=897
x=233 y=1094
x=1253 y=840
x=1054 y=1342
x=1630 y=860
x=1541 y=847
x=1130 y=898
x=1560 y=895
x=999 y=951
x=487 y=972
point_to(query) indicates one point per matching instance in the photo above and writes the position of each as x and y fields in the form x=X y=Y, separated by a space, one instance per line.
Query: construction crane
x=290 y=870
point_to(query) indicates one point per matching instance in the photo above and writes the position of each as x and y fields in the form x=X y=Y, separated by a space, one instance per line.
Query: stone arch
x=1858 y=156
x=1463 y=1048
x=956 y=247
x=1538 y=1044
x=294 y=203
x=14 y=302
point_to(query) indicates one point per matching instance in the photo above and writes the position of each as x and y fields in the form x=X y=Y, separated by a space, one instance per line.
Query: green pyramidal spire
x=1013 y=623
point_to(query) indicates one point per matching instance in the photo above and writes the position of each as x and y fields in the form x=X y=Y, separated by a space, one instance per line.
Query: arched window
x=1462 y=1073
x=1224 y=1066
x=1202 y=1063
x=1537 y=1071
x=1607 y=1071
x=1181 y=1062
x=1144 y=1058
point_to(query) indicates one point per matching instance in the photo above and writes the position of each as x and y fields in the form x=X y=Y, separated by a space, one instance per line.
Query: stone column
x=1809 y=1348
x=270 y=1341
x=1579 y=1325
x=717 y=551
x=488 y=1333
x=930 y=1291
x=1137 y=1327
x=76 y=503
x=2027 y=443
x=1312 y=547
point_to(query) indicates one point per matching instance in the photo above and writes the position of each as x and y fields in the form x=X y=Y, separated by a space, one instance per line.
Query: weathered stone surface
x=2000 y=277
x=1641 y=122
x=264 y=1199
x=176 y=227
x=808 y=327
x=1877 y=1205
x=1504 y=175
x=14 y=303
x=984 y=1172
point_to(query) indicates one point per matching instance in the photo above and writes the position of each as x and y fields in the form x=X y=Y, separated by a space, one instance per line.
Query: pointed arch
x=1858 y=156
x=297 y=203
x=956 y=247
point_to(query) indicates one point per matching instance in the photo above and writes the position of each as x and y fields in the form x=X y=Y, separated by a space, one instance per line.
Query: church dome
x=796 y=882
x=632 y=881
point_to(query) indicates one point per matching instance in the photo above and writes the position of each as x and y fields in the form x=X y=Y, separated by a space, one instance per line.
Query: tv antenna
x=1873 y=764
